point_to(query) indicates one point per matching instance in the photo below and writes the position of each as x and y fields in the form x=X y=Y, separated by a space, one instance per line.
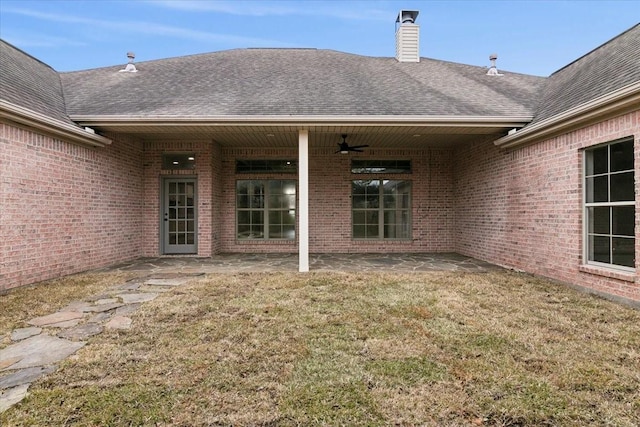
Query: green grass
x=434 y=349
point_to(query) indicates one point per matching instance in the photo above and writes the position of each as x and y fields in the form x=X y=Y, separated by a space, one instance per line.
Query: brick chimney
x=407 y=37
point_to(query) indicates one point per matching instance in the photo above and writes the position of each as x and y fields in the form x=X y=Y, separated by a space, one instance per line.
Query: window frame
x=381 y=211
x=266 y=209
x=586 y=205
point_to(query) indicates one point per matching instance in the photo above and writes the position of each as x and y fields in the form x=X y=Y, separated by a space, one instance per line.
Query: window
x=173 y=161
x=266 y=209
x=381 y=209
x=266 y=166
x=381 y=166
x=610 y=205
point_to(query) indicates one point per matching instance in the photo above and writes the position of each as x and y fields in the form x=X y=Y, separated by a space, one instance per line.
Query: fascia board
x=48 y=125
x=304 y=121
x=626 y=98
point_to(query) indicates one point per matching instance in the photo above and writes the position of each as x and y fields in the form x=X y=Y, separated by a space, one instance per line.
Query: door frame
x=162 y=209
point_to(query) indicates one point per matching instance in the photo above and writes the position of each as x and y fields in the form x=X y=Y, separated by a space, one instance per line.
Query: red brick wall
x=153 y=175
x=66 y=208
x=522 y=208
x=330 y=201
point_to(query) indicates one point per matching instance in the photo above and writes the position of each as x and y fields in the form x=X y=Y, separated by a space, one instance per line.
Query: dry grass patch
x=434 y=349
x=22 y=304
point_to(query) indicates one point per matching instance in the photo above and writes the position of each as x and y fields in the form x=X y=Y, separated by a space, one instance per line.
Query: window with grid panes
x=381 y=209
x=610 y=205
x=266 y=209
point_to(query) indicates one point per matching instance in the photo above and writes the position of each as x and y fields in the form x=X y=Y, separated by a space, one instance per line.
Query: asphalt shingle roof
x=298 y=82
x=31 y=84
x=607 y=68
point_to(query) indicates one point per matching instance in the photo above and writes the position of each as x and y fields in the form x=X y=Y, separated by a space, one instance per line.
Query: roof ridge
x=597 y=48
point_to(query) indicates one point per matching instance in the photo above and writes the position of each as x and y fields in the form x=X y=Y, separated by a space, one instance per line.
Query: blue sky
x=532 y=37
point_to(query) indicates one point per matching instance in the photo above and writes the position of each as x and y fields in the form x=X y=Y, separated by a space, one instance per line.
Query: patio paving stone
x=81 y=332
x=141 y=297
x=39 y=350
x=23 y=333
x=52 y=319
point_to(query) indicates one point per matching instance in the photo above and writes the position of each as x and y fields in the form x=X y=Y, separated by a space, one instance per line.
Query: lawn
x=374 y=349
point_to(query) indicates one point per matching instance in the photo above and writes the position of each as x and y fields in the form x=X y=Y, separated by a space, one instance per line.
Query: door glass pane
x=191 y=239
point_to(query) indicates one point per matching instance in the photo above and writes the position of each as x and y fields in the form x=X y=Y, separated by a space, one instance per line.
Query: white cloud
x=149 y=28
x=334 y=9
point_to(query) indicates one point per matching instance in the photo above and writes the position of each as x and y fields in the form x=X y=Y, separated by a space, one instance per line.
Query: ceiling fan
x=345 y=148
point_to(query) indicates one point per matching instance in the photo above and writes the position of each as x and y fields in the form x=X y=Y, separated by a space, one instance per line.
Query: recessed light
x=416 y=135
x=270 y=135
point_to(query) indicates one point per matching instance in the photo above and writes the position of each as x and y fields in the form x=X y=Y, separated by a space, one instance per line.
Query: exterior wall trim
x=50 y=126
x=305 y=122
x=616 y=102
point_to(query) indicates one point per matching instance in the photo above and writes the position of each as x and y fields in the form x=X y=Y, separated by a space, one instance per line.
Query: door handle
x=166 y=216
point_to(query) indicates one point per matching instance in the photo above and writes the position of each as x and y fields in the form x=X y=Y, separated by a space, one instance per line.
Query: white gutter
x=627 y=97
x=304 y=121
x=54 y=127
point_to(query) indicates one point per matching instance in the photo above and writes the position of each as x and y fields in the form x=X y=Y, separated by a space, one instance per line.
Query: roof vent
x=493 y=71
x=130 y=68
x=407 y=36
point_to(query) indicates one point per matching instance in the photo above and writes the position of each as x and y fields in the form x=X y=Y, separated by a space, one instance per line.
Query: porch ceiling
x=325 y=136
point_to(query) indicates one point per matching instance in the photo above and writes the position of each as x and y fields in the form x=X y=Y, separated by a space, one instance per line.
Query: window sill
x=627 y=276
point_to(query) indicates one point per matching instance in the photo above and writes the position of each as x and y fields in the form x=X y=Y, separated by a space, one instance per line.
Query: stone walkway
x=52 y=338
x=49 y=339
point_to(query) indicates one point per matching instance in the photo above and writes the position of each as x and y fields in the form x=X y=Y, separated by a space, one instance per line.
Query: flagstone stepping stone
x=24 y=376
x=167 y=282
x=67 y=324
x=129 y=287
x=5 y=363
x=22 y=333
x=151 y=288
x=50 y=319
x=39 y=350
x=100 y=317
x=132 y=298
x=118 y=322
x=106 y=301
x=78 y=306
x=11 y=396
x=81 y=332
x=127 y=309
x=103 y=307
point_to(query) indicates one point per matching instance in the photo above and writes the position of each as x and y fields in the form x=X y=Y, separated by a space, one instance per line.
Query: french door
x=179 y=216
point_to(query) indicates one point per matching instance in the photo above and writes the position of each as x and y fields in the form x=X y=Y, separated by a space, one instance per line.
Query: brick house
x=254 y=150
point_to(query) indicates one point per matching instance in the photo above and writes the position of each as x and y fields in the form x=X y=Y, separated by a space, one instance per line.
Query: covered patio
x=270 y=262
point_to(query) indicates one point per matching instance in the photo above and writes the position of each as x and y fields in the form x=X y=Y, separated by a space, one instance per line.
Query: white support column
x=303 y=200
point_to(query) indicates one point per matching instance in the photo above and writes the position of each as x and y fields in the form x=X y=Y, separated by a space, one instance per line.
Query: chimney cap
x=407 y=16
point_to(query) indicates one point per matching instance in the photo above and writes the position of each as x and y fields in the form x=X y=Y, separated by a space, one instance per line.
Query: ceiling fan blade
x=359 y=146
